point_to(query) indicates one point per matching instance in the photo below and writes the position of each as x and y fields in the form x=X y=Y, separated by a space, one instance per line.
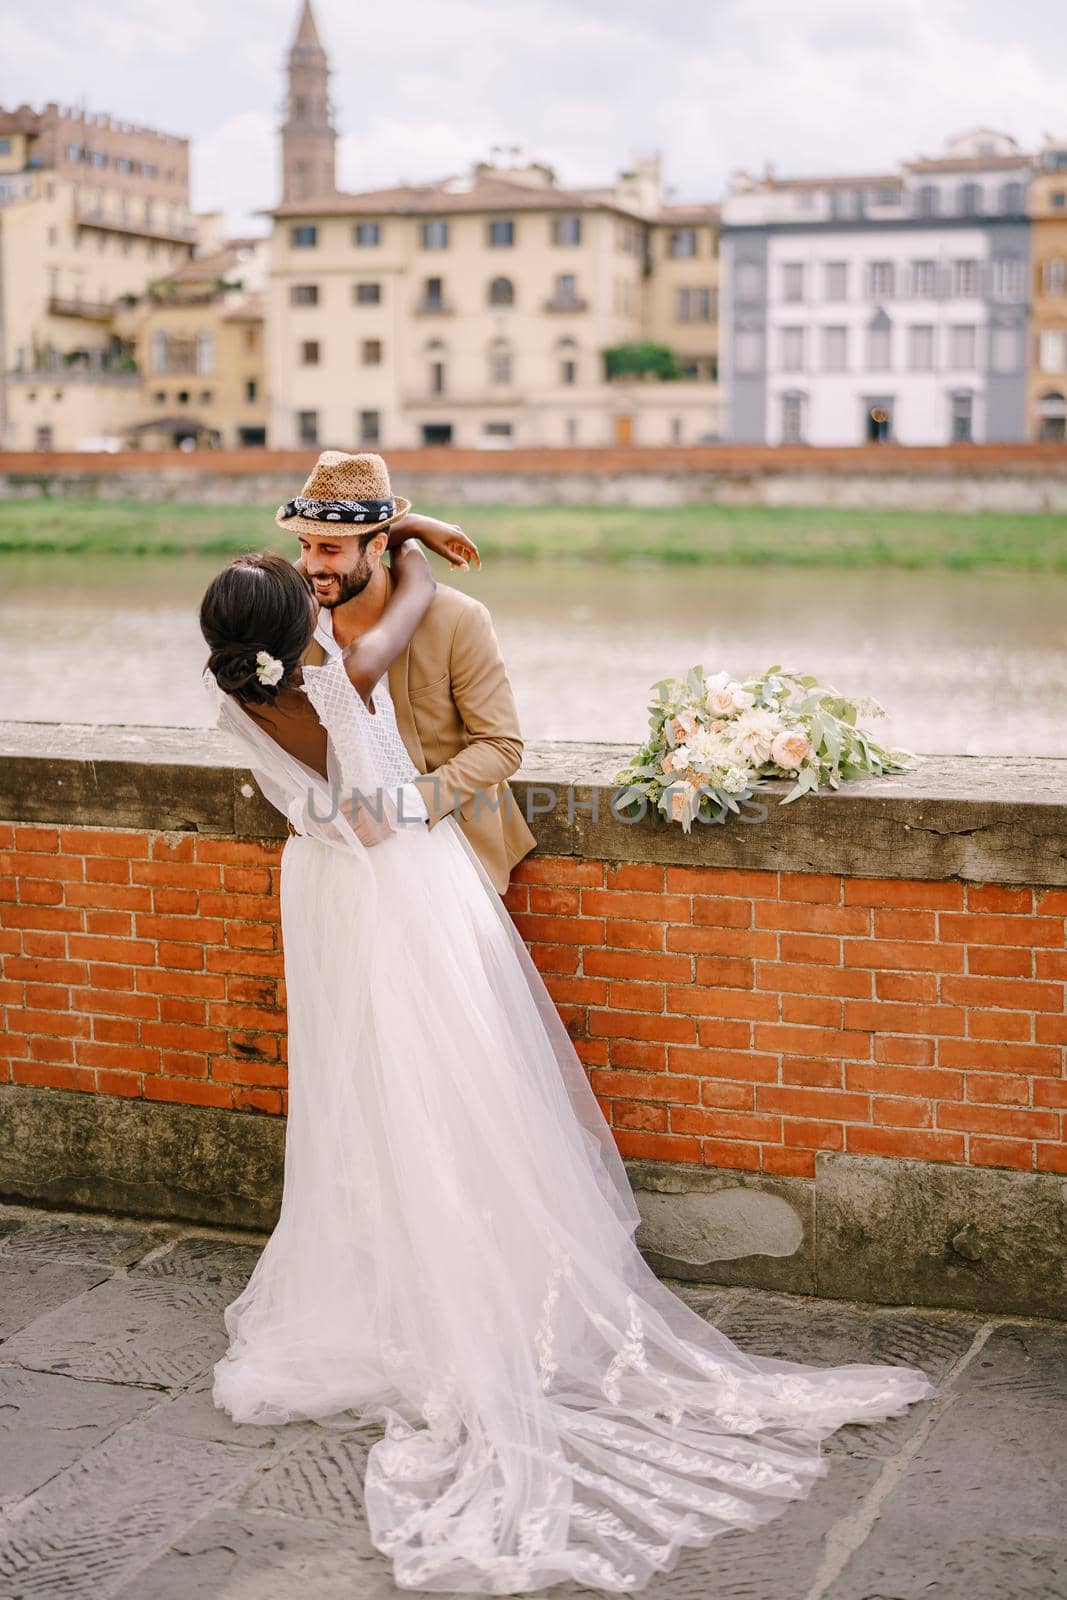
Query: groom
x=455 y=709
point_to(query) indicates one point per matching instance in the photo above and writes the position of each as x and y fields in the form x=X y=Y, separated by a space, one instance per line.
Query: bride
x=454 y=1259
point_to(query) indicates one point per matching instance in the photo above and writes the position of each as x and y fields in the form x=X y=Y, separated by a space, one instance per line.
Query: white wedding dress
x=455 y=1259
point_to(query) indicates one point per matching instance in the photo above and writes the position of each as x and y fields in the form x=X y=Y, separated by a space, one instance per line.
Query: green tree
x=641 y=359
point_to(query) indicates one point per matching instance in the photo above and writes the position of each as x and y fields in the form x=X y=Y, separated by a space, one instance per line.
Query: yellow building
x=1047 y=377
x=90 y=210
x=199 y=344
x=476 y=310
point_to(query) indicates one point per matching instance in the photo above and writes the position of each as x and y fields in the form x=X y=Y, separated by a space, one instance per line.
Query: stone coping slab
x=985 y=819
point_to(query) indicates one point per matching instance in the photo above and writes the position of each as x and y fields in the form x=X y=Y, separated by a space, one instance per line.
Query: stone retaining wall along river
x=1025 y=477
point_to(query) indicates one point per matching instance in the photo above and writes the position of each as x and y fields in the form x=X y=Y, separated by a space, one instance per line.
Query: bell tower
x=308 y=135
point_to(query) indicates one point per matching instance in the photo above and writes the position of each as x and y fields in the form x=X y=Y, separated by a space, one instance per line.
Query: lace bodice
x=368 y=747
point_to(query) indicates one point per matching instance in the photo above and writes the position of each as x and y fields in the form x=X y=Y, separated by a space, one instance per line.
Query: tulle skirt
x=455 y=1261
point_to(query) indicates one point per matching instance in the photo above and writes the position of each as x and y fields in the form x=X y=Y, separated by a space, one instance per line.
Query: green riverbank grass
x=689 y=535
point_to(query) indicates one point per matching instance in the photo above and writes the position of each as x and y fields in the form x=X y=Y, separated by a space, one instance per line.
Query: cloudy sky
x=424 y=87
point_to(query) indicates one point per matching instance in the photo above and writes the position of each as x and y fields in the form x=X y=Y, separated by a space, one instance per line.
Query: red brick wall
x=938 y=460
x=734 y=1018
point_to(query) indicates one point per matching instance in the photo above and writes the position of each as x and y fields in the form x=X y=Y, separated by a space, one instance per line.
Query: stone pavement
x=120 y=1481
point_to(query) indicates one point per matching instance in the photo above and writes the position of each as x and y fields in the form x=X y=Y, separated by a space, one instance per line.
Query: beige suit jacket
x=455 y=712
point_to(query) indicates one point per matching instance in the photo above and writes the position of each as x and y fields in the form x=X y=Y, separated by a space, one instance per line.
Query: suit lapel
x=398 y=690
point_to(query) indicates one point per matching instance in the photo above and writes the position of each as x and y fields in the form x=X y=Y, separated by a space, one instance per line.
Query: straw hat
x=344 y=495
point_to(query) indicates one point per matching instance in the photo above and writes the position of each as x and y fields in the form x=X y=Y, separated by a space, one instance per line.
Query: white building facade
x=885 y=307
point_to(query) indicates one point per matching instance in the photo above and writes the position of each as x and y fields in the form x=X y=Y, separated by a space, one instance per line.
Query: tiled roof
x=872 y=180
x=693 y=211
x=969 y=163
x=450 y=196
x=251 y=307
x=205 y=269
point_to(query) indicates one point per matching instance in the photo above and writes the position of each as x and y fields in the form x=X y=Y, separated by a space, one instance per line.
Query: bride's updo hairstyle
x=256 y=603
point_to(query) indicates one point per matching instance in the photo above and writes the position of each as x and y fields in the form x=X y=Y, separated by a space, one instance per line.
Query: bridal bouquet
x=714 y=740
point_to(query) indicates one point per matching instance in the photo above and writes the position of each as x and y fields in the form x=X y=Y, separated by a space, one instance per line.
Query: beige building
x=91 y=210
x=476 y=310
x=1047 y=375
x=198 y=340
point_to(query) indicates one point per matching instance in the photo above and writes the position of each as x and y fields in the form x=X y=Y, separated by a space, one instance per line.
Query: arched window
x=879 y=341
x=926 y=200
x=205 y=352
x=969 y=199
x=501 y=292
x=436 y=368
x=794 y=405
x=1052 y=416
x=500 y=363
x=568 y=360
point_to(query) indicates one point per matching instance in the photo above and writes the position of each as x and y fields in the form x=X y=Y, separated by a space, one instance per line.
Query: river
x=967 y=664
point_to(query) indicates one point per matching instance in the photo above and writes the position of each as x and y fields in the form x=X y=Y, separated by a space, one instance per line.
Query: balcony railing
x=87 y=310
x=112 y=373
x=566 y=302
x=434 y=308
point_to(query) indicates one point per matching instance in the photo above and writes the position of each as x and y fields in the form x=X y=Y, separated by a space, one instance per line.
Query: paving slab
x=216 y=1260
x=913 y=1558
x=992 y=1464
x=162 y=1332
x=30 y=1287
x=120 y=1480
x=1024 y=1361
x=91 y=1240
x=320 y=1480
x=250 y=1555
x=192 y=1413
x=110 y=1514
x=48 y=1421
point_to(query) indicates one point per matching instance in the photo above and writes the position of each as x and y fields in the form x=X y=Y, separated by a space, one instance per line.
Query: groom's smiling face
x=339 y=569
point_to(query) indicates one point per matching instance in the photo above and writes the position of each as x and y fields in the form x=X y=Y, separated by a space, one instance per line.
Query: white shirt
x=411 y=805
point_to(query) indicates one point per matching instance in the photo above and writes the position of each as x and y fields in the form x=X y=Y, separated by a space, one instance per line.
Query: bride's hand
x=368 y=828
x=443 y=538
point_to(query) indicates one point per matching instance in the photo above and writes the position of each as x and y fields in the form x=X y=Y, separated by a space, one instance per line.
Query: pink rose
x=789 y=750
x=721 y=703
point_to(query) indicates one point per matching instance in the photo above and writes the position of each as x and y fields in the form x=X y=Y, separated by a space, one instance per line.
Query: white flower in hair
x=268 y=668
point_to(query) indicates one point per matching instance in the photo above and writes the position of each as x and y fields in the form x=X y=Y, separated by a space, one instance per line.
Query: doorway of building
x=962 y=418
x=1052 y=417
x=877 y=421
x=437 y=433
x=624 y=430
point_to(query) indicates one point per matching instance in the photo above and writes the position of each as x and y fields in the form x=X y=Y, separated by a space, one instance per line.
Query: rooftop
x=481 y=191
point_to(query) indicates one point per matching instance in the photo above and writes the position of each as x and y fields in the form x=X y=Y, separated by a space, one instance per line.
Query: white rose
x=269 y=669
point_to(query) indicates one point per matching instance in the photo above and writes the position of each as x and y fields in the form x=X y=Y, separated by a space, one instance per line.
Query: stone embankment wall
x=958 y=478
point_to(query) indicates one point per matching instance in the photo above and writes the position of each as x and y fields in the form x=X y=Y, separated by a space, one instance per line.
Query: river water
x=967 y=664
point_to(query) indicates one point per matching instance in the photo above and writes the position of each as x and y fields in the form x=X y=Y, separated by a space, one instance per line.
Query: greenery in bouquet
x=714 y=742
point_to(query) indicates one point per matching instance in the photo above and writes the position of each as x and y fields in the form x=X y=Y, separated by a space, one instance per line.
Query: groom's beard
x=339 y=586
